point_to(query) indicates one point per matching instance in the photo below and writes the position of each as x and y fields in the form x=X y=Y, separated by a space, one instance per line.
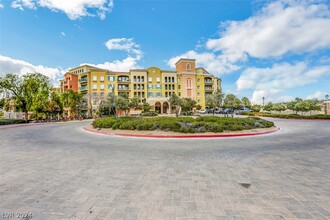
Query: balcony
x=83 y=88
x=208 y=81
x=208 y=88
x=83 y=80
x=123 y=88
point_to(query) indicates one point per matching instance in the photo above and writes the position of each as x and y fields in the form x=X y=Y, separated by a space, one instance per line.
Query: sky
x=259 y=48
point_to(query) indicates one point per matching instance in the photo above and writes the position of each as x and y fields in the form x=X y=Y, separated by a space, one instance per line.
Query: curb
x=181 y=136
x=19 y=125
x=297 y=119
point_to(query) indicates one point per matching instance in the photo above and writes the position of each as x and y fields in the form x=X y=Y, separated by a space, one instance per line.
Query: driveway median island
x=171 y=127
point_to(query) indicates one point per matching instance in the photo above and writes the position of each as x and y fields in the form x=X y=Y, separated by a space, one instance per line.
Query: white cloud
x=63 y=34
x=1 y=6
x=317 y=95
x=282 y=27
x=271 y=82
x=216 y=64
x=10 y=65
x=134 y=55
x=74 y=9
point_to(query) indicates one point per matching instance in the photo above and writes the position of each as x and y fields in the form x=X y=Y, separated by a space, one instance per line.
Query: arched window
x=188 y=66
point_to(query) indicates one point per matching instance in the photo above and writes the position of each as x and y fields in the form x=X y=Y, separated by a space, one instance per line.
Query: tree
x=278 y=107
x=54 y=105
x=230 y=101
x=29 y=92
x=134 y=103
x=2 y=103
x=326 y=97
x=175 y=101
x=210 y=102
x=188 y=104
x=246 y=102
x=269 y=106
x=112 y=102
x=71 y=100
x=256 y=108
x=146 y=107
x=218 y=97
x=123 y=103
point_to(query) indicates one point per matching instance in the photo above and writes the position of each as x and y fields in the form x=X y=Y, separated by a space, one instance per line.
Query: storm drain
x=245 y=185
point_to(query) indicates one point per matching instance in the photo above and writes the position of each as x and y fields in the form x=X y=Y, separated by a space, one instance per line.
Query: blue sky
x=276 y=49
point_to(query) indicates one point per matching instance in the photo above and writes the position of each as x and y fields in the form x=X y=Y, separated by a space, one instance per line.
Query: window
x=198 y=101
x=189 y=83
x=150 y=94
x=172 y=79
x=150 y=86
x=179 y=93
x=166 y=79
x=102 y=95
x=101 y=78
x=158 y=86
x=102 y=86
x=94 y=102
x=111 y=86
x=198 y=80
x=149 y=79
x=94 y=78
x=158 y=79
x=198 y=94
x=178 y=80
x=188 y=66
x=172 y=87
x=198 y=87
x=179 y=87
x=158 y=94
x=94 y=95
x=111 y=78
x=94 y=86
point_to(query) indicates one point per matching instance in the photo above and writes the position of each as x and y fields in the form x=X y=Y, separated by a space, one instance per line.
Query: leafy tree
x=246 y=102
x=278 y=107
x=146 y=107
x=256 y=108
x=123 y=103
x=54 y=105
x=210 y=102
x=134 y=103
x=29 y=92
x=112 y=102
x=269 y=106
x=218 y=97
x=188 y=104
x=2 y=103
x=231 y=101
x=71 y=100
x=176 y=101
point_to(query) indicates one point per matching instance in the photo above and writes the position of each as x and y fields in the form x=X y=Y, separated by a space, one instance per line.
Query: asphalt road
x=59 y=171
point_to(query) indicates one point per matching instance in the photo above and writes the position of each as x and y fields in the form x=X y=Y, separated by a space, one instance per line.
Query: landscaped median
x=12 y=121
x=207 y=126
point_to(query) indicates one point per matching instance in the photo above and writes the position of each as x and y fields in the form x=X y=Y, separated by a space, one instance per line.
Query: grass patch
x=183 y=124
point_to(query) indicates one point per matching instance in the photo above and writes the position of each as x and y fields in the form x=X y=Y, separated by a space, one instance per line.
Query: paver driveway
x=59 y=171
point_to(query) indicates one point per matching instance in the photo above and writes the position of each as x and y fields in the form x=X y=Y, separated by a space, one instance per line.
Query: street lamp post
x=263 y=101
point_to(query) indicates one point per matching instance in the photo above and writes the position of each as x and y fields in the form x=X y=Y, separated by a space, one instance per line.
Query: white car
x=202 y=111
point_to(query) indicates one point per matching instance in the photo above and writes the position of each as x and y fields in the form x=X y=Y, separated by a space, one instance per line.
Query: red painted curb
x=181 y=136
x=298 y=119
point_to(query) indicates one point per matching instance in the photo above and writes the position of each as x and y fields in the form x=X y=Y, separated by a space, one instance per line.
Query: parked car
x=218 y=111
x=228 y=111
x=243 y=110
x=209 y=110
x=203 y=111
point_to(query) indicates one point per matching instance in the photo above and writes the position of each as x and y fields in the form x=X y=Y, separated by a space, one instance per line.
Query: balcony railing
x=208 y=81
x=208 y=88
x=123 y=88
x=83 y=88
x=82 y=80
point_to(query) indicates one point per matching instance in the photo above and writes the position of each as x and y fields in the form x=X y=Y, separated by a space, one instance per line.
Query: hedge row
x=183 y=124
x=286 y=116
x=11 y=121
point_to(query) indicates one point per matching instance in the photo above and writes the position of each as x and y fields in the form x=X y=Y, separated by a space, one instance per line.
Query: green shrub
x=149 y=114
x=12 y=121
x=183 y=124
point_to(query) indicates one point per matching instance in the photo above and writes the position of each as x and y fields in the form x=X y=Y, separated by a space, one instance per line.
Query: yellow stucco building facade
x=152 y=85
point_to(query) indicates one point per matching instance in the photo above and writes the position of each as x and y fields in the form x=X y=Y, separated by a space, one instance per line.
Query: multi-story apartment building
x=152 y=85
x=70 y=81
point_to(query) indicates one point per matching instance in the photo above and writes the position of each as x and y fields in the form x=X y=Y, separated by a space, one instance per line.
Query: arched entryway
x=158 y=107
x=166 y=108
